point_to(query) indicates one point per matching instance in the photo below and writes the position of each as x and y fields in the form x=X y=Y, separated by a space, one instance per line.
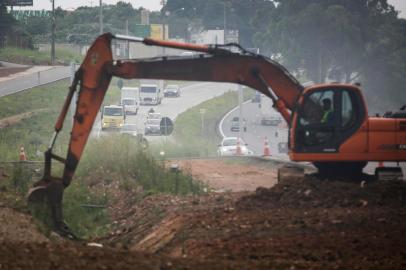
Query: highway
x=35 y=76
x=191 y=95
x=256 y=133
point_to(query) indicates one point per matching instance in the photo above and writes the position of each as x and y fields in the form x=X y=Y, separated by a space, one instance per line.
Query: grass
x=85 y=222
x=34 y=57
x=120 y=158
x=34 y=134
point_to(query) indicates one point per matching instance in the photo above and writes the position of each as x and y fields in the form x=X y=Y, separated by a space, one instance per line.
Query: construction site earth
x=246 y=220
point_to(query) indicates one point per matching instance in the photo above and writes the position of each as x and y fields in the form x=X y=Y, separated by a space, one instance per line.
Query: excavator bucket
x=45 y=203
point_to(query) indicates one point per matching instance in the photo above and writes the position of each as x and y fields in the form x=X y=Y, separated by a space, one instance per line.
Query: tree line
x=317 y=40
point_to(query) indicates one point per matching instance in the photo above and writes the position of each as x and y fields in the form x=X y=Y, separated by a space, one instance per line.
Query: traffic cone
x=238 y=149
x=23 y=156
x=267 y=151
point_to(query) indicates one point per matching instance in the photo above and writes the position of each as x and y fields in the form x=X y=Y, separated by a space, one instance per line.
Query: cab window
x=347 y=111
x=327 y=118
x=318 y=108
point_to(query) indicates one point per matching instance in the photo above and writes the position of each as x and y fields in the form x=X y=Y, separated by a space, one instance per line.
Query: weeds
x=133 y=165
x=86 y=222
x=34 y=57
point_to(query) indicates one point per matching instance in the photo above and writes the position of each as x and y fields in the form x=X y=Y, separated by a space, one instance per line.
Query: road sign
x=19 y=2
x=166 y=126
x=142 y=30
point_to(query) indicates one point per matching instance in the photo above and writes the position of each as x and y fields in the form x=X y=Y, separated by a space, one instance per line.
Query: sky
x=400 y=5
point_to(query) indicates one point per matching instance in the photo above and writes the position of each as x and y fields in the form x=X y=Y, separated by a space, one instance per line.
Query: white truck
x=269 y=116
x=130 y=99
x=150 y=94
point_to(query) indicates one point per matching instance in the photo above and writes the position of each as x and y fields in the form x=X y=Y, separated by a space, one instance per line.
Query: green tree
x=343 y=40
x=205 y=15
x=7 y=23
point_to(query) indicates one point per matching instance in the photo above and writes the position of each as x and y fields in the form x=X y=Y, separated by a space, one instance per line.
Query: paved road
x=35 y=76
x=191 y=96
x=256 y=133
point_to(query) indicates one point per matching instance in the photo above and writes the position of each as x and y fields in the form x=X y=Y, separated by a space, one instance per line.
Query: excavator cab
x=328 y=117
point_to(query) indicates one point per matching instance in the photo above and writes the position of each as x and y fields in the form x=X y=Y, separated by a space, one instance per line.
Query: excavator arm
x=216 y=64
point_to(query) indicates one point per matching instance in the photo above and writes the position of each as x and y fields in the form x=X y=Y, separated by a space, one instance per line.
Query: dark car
x=172 y=91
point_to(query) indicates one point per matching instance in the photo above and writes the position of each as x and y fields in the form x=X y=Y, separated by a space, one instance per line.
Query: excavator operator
x=327 y=112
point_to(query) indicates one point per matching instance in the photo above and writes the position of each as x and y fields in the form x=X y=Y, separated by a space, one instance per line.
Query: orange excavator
x=329 y=124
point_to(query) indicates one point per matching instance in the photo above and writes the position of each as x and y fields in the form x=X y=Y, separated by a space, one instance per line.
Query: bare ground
x=4 y=72
x=305 y=223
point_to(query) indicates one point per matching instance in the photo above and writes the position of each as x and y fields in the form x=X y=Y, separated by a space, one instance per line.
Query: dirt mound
x=18 y=227
x=312 y=191
x=4 y=72
x=305 y=223
x=79 y=256
x=301 y=223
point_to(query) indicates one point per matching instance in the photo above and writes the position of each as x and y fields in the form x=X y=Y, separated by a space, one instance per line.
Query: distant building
x=215 y=37
x=208 y=37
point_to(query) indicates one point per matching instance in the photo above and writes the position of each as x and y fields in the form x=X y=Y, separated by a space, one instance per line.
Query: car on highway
x=129 y=129
x=272 y=120
x=172 y=90
x=152 y=127
x=235 y=124
x=228 y=147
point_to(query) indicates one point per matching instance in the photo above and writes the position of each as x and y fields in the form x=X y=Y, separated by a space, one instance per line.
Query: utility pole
x=224 y=22
x=127 y=44
x=53 y=34
x=241 y=122
x=101 y=17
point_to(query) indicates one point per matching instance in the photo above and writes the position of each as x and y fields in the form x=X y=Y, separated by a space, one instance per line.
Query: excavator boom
x=216 y=64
